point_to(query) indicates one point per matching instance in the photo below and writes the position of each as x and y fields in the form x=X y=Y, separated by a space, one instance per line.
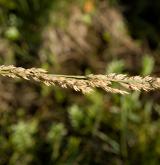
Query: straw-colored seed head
x=85 y=84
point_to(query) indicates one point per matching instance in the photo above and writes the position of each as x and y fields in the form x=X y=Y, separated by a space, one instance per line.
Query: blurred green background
x=49 y=125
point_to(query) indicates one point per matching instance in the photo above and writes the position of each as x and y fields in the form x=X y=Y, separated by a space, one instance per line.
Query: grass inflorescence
x=113 y=83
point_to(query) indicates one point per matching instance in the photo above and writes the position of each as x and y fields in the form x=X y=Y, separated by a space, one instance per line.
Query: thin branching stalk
x=113 y=83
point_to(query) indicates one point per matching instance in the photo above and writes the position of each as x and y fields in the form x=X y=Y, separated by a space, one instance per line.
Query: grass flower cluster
x=113 y=83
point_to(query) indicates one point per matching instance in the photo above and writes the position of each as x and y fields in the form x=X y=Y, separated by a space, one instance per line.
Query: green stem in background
x=124 y=116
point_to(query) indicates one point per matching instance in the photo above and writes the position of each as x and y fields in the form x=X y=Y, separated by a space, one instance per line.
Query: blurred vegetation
x=48 y=125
